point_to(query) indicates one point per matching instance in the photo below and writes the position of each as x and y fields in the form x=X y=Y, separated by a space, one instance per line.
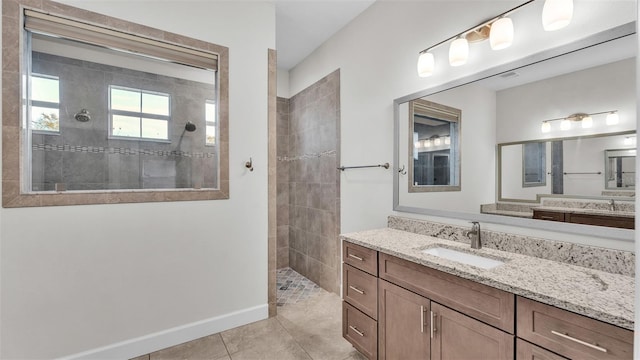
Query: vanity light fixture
x=426 y=143
x=417 y=144
x=585 y=120
x=612 y=118
x=436 y=141
x=630 y=140
x=447 y=140
x=556 y=14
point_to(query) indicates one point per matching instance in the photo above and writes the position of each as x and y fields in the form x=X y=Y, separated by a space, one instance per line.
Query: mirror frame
x=607 y=169
x=597 y=231
x=499 y=168
x=453 y=115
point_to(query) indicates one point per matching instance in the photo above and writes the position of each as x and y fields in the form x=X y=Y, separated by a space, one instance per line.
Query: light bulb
x=628 y=140
x=426 y=143
x=447 y=140
x=426 y=64
x=458 y=52
x=436 y=142
x=556 y=14
x=565 y=124
x=416 y=144
x=612 y=118
x=501 y=36
x=546 y=127
x=587 y=122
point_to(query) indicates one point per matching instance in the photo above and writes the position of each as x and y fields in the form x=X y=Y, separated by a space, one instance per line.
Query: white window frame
x=213 y=123
x=140 y=115
x=43 y=104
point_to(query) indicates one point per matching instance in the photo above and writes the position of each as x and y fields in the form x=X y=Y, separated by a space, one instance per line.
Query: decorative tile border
x=609 y=260
x=328 y=153
x=118 y=150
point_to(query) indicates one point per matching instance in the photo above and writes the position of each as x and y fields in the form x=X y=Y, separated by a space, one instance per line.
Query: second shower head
x=190 y=127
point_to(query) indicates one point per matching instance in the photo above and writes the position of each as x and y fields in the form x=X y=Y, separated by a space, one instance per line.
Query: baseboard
x=153 y=342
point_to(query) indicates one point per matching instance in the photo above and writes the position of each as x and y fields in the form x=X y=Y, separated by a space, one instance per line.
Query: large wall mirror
x=509 y=154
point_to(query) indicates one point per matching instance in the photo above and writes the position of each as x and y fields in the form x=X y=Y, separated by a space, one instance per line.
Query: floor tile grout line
x=294 y=339
x=225 y=345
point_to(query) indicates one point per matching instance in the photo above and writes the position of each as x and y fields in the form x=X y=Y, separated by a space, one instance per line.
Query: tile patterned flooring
x=307 y=327
x=293 y=287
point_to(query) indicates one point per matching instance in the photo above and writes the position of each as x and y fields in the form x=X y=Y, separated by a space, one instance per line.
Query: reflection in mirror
x=534 y=166
x=620 y=169
x=434 y=150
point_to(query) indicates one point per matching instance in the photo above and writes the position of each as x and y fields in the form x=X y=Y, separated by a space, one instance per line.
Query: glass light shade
x=628 y=140
x=416 y=144
x=501 y=36
x=587 y=122
x=426 y=64
x=447 y=141
x=436 y=142
x=556 y=14
x=458 y=52
x=612 y=118
x=426 y=143
x=565 y=124
x=546 y=127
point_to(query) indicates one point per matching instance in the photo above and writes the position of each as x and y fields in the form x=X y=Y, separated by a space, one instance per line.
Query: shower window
x=127 y=110
x=45 y=103
x=139 y=114
x=210 y=119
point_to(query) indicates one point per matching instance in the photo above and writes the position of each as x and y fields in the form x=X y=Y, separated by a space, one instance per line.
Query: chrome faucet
x=474 y=235
x=612 y=205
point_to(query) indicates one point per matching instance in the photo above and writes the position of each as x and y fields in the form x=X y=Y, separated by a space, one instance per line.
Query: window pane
x=45 y=89
x=125 y=126
x=155 y=129
x=43 y=118
x=125 y=100
x=155 y=104
x=210 y=111
x=211 y=135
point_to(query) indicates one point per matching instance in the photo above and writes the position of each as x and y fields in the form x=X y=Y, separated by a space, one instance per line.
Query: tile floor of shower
x=308 y=326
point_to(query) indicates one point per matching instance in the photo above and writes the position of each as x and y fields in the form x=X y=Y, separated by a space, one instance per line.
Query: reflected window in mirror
x=434 y=147
x=620 y=169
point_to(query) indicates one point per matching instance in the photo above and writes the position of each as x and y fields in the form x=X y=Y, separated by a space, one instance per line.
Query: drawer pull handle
x=356 y=290
x=547 y=217
x=565 y=336
x=421 y=318
x=356 y=257
x=433 y=323
x=355 y=329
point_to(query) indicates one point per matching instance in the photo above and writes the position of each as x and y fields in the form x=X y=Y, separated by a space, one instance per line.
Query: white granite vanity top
x=593 y=293
x=574 y=210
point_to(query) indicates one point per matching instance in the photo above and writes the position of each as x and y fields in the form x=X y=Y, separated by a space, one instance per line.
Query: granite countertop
x=573 y=210
x=593 y=293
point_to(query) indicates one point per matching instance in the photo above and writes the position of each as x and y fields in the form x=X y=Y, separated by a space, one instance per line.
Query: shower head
x=82 y=115
x=190 y=127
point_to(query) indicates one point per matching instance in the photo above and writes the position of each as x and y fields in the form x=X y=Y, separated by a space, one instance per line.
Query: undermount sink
x=463 y=257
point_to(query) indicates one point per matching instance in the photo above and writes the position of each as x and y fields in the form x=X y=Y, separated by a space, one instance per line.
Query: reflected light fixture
x=436 y=141
x=629 y=140
x=416 y=144
x=459 y=52
x=501 y=36
x=447 y=140
x=426 y=143
x=612 y=118
x=585 y=120
x=556 y=14
x=426 y=64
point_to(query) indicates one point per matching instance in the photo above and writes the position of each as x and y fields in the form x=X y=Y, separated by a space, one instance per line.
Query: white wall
x=377 y=55
x=79 y=277
x=522 y=109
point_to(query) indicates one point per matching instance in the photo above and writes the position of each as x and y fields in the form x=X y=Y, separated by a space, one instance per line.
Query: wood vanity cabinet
x=586 y=219
x=403 y=310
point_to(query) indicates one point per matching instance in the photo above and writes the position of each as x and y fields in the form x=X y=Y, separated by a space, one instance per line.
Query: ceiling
x=303 y=25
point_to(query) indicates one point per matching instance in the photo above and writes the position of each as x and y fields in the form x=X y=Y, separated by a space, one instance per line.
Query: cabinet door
x=526 y=351
x=457 y=336
x=403 y=324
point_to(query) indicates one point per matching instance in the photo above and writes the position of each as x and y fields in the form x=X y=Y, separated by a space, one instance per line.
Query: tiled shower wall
x=83 y=157
x=282 y=169
x=312 y=157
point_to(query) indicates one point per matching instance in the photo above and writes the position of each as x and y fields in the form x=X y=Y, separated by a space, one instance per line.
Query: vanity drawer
x=490 y=305
x=571 y=335
x=360 y=330
x=548 y=215
x=528 y=351
x=361 y=290
x=360 y=257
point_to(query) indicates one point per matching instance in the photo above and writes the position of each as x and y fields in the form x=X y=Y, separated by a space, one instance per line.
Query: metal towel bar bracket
x=343 y=168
